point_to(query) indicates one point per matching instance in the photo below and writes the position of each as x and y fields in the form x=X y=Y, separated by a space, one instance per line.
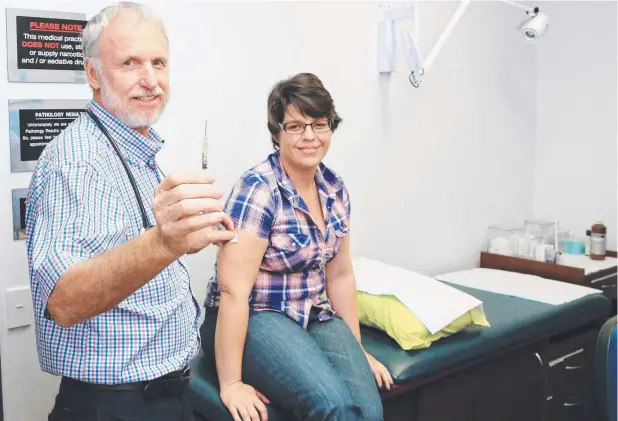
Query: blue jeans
x=316 y=374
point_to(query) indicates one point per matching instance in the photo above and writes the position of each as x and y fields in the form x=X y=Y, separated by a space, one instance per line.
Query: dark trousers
x=81 y=402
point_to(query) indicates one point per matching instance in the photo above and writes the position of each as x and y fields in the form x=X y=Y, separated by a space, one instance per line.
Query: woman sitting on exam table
x=297 y=339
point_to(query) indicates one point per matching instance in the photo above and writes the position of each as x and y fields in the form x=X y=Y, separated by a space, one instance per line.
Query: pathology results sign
x=33 y=123
x=49 y=43
x=39 y=127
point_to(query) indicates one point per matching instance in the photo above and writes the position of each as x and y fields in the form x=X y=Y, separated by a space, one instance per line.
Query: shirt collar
x=326 y=180
x=134 y=144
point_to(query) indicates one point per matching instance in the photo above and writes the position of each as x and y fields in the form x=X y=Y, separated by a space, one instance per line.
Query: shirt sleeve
x=252 y=207
x=345 y=196
x=76 y=215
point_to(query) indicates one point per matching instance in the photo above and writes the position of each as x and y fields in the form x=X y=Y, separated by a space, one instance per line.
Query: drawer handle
x=608 y=286
x=564 y=357
x=569 y=404
x=602 y=278
x=539 y=358
x=573 y=367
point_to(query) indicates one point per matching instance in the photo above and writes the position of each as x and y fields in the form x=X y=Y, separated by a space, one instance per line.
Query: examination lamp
x=535 y=26
x=531 y=29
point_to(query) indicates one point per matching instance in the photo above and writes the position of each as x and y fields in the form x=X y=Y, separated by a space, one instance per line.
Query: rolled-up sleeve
x=252 y=206
x=74 y=216
x=345 y=197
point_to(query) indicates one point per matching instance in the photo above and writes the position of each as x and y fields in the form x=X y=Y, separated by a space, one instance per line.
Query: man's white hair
x=94 y=28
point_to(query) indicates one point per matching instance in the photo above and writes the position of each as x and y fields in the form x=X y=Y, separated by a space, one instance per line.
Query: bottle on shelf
x=598 y=233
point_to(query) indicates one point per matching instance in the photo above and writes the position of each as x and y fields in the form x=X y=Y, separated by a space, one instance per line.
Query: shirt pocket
x=341 y=230
x=338 y=220
x=289 y=241
x=289 y=252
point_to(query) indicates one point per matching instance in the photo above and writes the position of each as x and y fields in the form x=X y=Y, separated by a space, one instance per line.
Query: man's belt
x=170 y=385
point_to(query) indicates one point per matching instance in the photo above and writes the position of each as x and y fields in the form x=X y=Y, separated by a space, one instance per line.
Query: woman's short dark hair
x=304 y=91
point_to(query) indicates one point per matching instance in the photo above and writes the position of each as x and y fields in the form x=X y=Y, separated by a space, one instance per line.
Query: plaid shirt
x=81 y=204
x=291 y=278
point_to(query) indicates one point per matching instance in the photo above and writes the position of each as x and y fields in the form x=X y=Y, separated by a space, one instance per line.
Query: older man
x=107 y=232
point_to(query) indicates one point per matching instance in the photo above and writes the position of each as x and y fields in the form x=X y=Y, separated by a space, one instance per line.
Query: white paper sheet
x=529 y=287
x=434 y=303
x=584 y=262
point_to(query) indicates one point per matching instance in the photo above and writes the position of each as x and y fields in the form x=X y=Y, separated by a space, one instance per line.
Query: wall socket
x=18 y=307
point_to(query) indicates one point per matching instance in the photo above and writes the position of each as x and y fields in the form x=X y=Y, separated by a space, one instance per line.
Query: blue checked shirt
x=291 y=279
x=81 y=204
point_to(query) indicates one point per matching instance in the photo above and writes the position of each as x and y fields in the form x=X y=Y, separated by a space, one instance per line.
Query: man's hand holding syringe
x=189 y=211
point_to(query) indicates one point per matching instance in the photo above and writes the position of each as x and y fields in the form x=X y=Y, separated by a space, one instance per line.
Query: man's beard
x=113 y=103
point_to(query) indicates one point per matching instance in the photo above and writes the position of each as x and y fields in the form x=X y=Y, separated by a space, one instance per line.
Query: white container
x=504 y=240
x=543 y=231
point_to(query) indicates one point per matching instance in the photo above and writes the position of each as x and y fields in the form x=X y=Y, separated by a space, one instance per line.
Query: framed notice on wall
x=19 y=213
x=45 y=46
x=33 y=123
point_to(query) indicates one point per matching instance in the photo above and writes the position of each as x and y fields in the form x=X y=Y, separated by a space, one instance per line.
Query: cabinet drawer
x=570 y=346
x=574 y=368
x=574 y=402
x=606 y=283
x=559 y=410
x=568 y=361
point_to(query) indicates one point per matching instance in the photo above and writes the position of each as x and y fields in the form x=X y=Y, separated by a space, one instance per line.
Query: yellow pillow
x=387 y=313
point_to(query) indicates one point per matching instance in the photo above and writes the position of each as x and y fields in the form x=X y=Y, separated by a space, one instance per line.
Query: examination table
x=533 y=363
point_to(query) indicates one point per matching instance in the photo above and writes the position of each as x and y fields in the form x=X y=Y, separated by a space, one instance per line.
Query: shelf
x=553 y=271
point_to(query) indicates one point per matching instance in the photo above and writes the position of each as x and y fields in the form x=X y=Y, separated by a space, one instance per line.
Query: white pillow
x=436 y=305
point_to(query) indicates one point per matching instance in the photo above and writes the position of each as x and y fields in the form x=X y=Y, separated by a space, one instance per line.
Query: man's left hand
x=383 y=377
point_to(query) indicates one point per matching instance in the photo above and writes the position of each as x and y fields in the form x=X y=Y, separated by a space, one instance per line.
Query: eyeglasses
x=296 y=127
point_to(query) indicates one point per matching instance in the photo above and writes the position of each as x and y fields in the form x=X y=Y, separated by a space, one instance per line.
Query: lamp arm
x=446 y=33
x=529 y=10
x=386 y=38
x=453 y=22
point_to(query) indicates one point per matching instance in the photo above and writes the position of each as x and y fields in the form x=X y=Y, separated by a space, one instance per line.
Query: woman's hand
x=383 y=377
x=244 y=402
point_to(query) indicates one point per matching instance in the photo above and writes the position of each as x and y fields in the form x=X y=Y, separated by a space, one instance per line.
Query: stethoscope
x=146 y=224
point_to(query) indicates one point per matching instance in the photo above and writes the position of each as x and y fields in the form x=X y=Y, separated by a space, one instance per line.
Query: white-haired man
x=107 y=232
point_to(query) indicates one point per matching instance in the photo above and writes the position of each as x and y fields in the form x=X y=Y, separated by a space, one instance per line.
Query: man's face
x=133 y=78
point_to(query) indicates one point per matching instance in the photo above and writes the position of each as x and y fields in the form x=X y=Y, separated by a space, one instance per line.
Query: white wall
x=466 y=136
x=576 y=126
x=428 y=169
x=27 y=392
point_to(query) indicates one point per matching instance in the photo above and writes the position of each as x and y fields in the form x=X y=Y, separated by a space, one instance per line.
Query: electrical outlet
x=18 y=307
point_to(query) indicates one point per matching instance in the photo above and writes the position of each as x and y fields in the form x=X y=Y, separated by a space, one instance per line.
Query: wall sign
x=45 y=46
x=19 y=213
x=34 y=123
